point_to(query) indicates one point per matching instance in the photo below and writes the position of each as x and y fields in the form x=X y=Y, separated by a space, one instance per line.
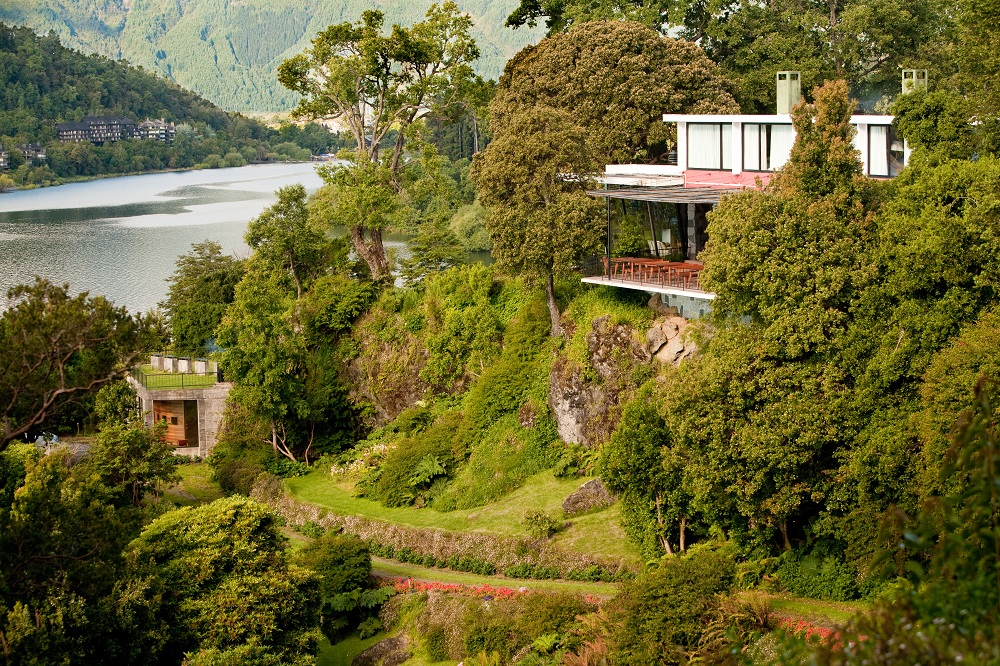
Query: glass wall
x=766 y=147
x=885 y=151
x=710 y=145
x=646 y=229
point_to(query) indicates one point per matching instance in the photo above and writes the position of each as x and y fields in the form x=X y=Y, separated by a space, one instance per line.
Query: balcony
x=660 y=276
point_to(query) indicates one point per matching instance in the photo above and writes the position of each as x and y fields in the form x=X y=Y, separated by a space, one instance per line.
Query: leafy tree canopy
x=56 y=347
x=616 y=79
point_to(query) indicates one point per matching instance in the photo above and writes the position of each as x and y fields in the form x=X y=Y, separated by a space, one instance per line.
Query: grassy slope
x=597 y=533
x=195 y=487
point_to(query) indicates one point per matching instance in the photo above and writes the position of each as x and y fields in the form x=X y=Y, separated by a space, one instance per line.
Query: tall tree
x=376 y=84
x=861 y=41
x=534 y=175
x=56 y=347
x=617 y=79
x=199 y=291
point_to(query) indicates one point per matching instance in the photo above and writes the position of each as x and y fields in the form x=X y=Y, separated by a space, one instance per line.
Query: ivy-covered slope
x=229 y=51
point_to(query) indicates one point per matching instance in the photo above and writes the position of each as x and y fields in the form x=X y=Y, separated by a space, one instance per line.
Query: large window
x=710 y=145
x=885 y=151
x=766 y=147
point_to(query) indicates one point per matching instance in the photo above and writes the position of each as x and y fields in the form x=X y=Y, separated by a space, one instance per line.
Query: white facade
x=762 y=143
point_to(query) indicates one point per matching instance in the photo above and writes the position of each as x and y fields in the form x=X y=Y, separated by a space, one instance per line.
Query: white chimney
x=914 y=80
x=789 y=90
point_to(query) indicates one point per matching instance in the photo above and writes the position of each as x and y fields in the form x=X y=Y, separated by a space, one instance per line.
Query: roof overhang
x=772 y=119
x=675 y=194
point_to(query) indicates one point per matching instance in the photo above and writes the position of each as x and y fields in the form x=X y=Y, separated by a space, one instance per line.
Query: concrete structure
x=192 y=409
x=4 y=160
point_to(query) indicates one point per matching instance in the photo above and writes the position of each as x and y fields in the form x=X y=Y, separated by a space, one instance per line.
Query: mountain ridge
x=228 y=50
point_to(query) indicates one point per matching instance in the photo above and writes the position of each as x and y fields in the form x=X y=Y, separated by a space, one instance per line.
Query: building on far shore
x=32 y=152
x=4 y=160
x=187 y=394
x=158 y=130
x=98 y=130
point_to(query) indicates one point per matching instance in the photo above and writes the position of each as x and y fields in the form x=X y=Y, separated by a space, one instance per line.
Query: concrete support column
x=692 y=233
x=736 y=159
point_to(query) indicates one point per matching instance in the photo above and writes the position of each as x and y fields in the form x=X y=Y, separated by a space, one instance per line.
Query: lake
x=120 y=237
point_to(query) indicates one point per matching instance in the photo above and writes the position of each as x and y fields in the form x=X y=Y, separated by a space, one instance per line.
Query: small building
x=4 y=160
x=98 y=130
x=185 y=393
x=32 y=152
x=716 y=155
x=157 y=130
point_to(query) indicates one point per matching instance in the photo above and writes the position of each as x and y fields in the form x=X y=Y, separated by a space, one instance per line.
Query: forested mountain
x=43 y=83
x=228 y=51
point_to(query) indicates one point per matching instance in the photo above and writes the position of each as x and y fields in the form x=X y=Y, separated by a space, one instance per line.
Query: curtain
x=704 y=144
x=782 y=139
x=878 y=150
x=751 y=147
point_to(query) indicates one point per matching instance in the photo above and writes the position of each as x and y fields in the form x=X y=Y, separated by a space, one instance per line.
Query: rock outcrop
x=587 y=412
x=591 y=495
x=669 y=341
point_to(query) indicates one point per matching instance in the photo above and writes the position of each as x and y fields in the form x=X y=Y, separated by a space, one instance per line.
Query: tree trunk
x=783 y=526
x=683 y=526
x=664 y=541
x=550 y=297
x=371 y=251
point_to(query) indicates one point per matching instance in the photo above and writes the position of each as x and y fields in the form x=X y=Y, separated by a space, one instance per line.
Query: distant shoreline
x=87 y=179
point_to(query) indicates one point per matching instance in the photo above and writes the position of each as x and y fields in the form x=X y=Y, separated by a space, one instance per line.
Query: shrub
x=369 y=627
x=309 y=529
x=501 y=460
x=829 y=578
x=399 y=483
x=541 y=525
x=661 y=614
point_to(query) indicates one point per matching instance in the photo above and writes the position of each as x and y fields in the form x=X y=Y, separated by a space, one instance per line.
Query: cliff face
x=586 y=401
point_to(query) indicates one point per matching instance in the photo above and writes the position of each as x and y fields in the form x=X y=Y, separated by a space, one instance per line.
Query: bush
x=661 y=614
x=541 y=525
x=829 y=578
x=505 y=455
x=369 y=627
x=398 y=482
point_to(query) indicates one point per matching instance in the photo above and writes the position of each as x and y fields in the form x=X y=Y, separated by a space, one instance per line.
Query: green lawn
x=816 y=611
x=195 y=487
x=428 y=574
x=163 y=380
x=598 y=533
x=346 y=650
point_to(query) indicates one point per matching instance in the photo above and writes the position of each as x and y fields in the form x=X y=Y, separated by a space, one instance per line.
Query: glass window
x=710 y=145
x=766 y=147
x=878 y=150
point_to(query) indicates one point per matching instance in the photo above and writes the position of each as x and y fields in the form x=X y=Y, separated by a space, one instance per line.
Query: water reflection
x=121 y=236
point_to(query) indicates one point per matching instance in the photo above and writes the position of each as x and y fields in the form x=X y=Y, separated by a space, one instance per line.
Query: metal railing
x=640 y=272
x=175 y=380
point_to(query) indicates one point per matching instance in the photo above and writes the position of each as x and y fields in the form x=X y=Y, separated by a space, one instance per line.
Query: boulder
x=591 y=495
x=656 y=304
x=574 y=402
x=388 y=652
x=669 y=342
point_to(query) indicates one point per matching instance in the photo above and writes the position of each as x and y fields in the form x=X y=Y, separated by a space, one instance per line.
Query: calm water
x=120 y=237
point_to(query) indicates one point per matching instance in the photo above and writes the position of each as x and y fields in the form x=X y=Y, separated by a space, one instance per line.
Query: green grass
x=391 y=568
x=165 y=380
x=816 y=611
x=195 y=487
x=598 y=534
x=342 y=653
